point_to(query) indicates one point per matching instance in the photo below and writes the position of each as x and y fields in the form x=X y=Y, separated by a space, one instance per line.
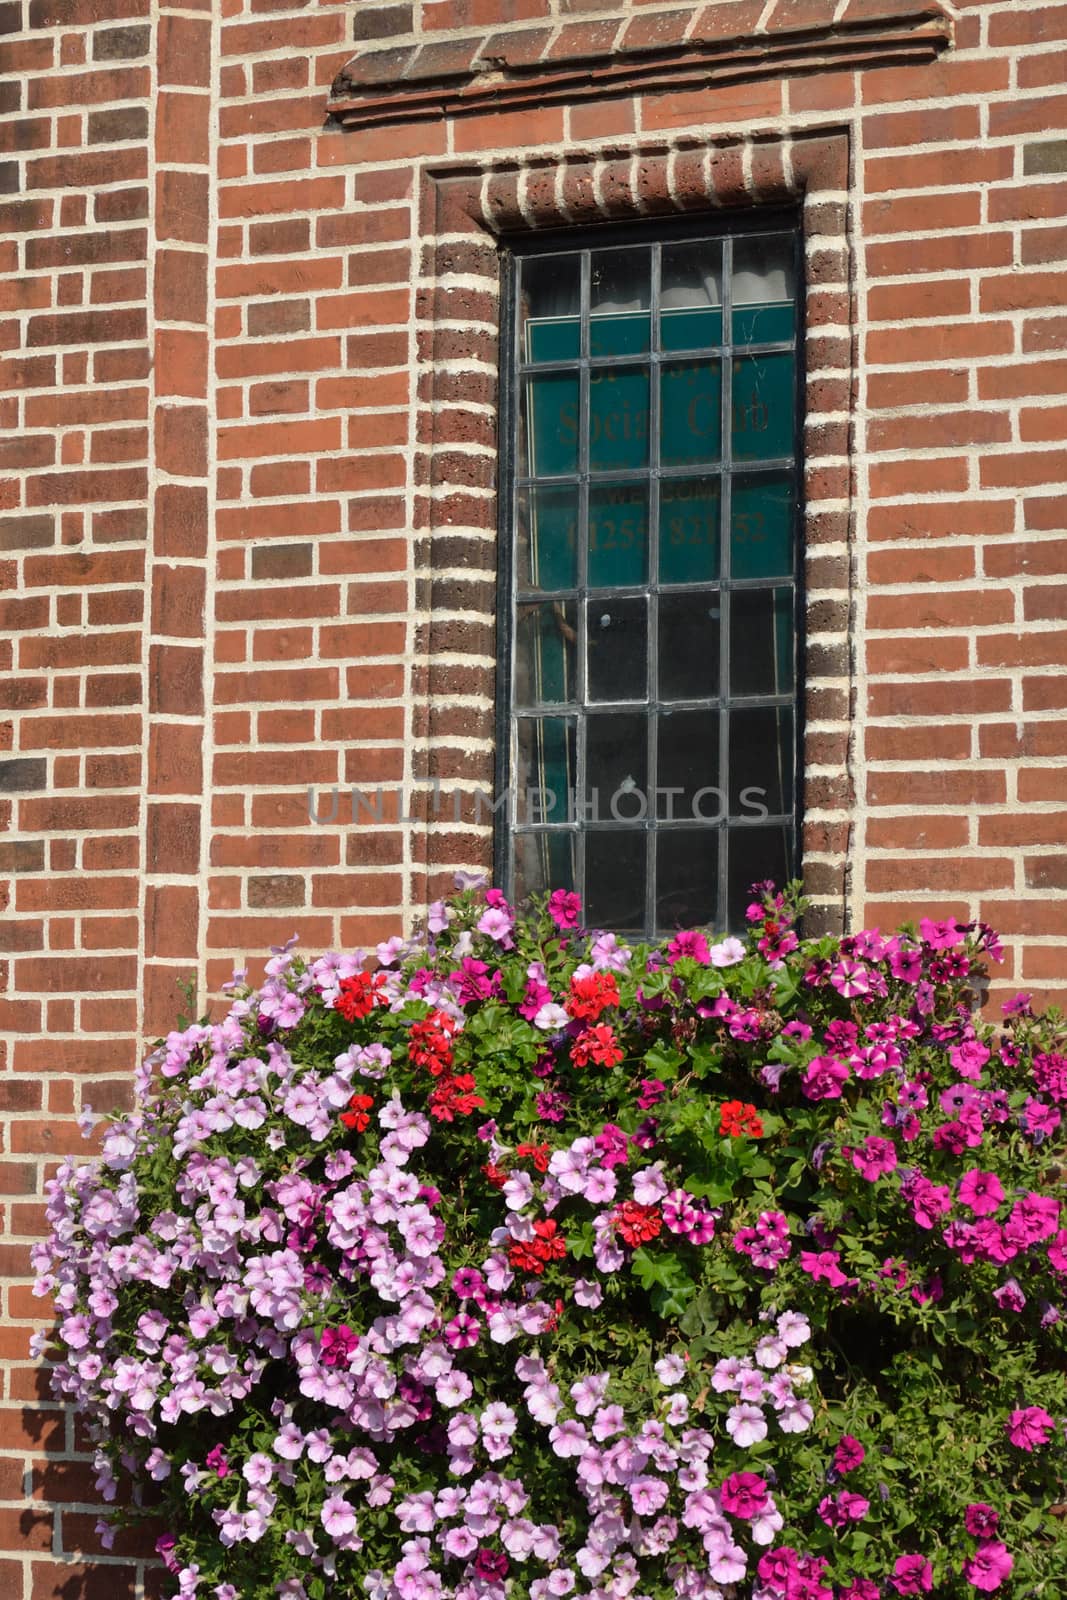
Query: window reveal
x=649 y=730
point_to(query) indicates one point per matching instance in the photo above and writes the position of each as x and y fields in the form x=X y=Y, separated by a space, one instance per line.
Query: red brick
x=892 y=657
x=955 y=426
x=1009 y=381
x=921 y=298
x=939 y=342
x=181 y=440
x=1039 y=649
x=954 y=874
x=922 y=213
x=953 y=698
x=960 y=789
x=1023 y=468
x=1024 y=202
x=183 y=46
x=940 y=609
x=181 y=362
x=278 y=439
x=918 y=475
x=293 y=195
x=1020 y=291
x=294 y=355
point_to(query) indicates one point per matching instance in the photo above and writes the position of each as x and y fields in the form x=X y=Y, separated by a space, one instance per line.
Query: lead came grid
x=639 y=659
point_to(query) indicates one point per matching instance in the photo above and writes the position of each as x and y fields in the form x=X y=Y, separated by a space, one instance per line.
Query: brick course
x=247 y=506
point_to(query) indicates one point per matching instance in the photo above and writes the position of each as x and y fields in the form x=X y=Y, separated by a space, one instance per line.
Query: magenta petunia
x=981 y=1192
x=1029 y=1427
x=991 y=1563
x=912 y=1574
x=980 y=1520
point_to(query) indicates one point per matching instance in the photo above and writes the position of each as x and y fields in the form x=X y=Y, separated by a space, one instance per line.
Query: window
x=648 y=731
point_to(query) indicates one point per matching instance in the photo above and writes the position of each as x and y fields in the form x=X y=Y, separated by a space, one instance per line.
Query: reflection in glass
x=763 y=289
x=763 y=406
x=618 y=418
x=619 y=299
x=615 y=878
x=543 y=862
x=687 y=761
x=761 y=526
x=754 y=855
x=544 y=770
x=689 y=645
x=690 y=296
x=617 y=639
x=688 y=530
x=616 y=765
x=618 y=534
x=761 y=761
x=546 y=635
x=548 y=424
x=547 y=538
x=690 y=413
x=761 y=641
x=549 y=301
x=687 y=877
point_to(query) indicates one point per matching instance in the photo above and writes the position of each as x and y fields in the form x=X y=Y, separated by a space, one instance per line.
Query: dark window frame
x=719 y=228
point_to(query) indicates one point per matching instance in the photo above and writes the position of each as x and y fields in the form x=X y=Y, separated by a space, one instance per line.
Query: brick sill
x=585 y=61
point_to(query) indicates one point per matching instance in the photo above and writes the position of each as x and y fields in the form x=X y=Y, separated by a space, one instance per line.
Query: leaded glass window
x=648 y=725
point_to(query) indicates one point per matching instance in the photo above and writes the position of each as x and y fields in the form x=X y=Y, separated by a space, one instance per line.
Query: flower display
x=516 y=1262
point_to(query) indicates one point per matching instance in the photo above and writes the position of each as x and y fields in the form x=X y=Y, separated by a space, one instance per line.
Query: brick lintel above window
x=578 y=60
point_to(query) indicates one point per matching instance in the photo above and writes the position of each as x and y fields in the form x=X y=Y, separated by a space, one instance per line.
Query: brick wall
x=247 y=508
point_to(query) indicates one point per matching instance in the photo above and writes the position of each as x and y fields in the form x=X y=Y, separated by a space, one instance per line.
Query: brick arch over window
x=465 y=215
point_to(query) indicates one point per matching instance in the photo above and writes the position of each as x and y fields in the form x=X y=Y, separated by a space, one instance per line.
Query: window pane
x=690 y=422
x=547 y=538
x=763 y=407
x=699 y=522
x=545 y=638
x=544 y=861
x=763 y=290
x=618 y=534
x=544 y=775
x=761 y=526
x=687 y=761
x=689 y=646
x=761 y=641
x=619 y=302
x=687 y=877
x=618 y=418
x=615 y=878
x=548 y=445
x=617 y=634
x=616 y=765
x=753 y=855
x=549 y=288
x=761 y=761
x=690 y=296
x=688 y=530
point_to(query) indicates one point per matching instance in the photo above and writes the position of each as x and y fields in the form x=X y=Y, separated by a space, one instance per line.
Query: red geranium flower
x=537 y=1153
x=596 y=1044
x=591 y=995
x=737 y=1118
x=454 y=1097
x=357 y=1114
x=533 y=1255
x=430 y=1042
x=637 y=1224
x=360 y=994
